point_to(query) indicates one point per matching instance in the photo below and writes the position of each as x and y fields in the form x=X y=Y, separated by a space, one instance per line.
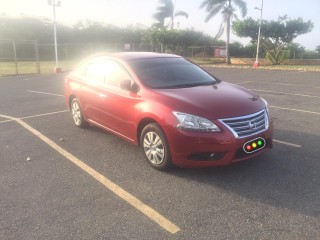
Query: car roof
x=136 y=55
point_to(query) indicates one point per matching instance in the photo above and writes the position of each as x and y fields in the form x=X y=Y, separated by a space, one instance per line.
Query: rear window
x=170 y=73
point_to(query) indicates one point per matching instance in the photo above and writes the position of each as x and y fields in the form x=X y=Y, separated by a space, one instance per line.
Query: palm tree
x=166 y=10
x=213 y=7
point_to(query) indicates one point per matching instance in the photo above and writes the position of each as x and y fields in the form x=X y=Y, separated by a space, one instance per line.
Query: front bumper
x=196 y=149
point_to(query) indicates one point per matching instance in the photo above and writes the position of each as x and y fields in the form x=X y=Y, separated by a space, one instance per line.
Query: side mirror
x=126 y=85
x=135 y=87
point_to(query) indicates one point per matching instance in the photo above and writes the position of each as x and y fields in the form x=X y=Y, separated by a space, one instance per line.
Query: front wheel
x=155 y=147
x=77 y=114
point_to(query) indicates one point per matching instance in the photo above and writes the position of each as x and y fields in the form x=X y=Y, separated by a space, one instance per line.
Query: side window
x=80 y=71
x=96 y=72
x=115 y=73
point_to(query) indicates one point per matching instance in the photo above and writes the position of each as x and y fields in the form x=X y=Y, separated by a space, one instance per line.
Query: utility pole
x=54 y=4
x=256 y=64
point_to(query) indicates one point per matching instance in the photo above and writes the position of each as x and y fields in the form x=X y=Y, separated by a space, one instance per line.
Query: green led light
x=260 y=143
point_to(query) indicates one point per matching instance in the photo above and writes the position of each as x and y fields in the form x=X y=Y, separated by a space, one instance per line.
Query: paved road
x=44 y=195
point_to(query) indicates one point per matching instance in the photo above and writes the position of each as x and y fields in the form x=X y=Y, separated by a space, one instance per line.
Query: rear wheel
x=155 y=147
x=77 y=114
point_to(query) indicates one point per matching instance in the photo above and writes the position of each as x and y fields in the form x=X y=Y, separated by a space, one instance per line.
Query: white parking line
x=6 y=121
x=38 y=115
x=120 y=192
x=295 y=110
x=287 y=84
x=38 y=77
x=44 y=114
x=287 y=143
x=53 y=94
x=285 y=93
x=243 y=82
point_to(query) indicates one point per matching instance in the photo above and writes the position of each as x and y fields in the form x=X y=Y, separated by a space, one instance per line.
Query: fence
x=15 y=54
x=69 y=52
x=21 y=57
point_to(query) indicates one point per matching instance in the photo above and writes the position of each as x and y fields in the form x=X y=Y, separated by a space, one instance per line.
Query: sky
x=139 y=12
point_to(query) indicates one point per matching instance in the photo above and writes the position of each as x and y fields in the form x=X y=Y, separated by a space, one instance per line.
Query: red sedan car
x=174 y=110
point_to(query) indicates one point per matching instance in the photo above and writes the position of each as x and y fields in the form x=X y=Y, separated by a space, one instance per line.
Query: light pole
x=54 y=4
x=256 y=63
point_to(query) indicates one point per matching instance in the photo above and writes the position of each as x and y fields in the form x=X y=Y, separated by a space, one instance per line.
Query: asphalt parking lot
x=61 y=182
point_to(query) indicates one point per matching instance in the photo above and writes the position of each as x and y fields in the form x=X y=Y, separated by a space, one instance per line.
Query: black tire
x=77 y=114
x=155 y=147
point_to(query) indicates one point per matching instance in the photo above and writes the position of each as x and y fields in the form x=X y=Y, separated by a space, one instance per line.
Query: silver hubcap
x=153 y=148
x=76 y=113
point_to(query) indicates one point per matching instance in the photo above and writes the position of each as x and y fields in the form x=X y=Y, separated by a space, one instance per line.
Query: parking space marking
x=38 y=77
x=287 y=143
x=287 y=84
x=243 y=82
x=38 y=115
x=116 y=189
x=45 y=114
x=295 y=110
x=4 y=121
x=53 y=94
x=285 y=93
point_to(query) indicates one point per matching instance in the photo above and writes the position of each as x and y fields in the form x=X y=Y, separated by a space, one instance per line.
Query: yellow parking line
x=120 y=192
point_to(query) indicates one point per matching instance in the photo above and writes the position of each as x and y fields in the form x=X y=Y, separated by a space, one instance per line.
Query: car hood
x=221 y=100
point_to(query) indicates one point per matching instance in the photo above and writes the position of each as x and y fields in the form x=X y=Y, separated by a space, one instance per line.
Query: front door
x=115 y=107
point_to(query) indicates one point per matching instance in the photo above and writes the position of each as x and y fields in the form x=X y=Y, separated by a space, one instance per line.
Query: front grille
x=247 y=125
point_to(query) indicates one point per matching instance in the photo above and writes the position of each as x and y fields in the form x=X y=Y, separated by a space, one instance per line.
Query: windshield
x=170 y=73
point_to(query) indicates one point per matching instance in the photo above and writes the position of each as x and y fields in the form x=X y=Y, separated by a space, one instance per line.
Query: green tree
x=309 y=54
x=226 y=7
x=275 y=35
x=296 y=50
x=183 y=38
x=167 y=10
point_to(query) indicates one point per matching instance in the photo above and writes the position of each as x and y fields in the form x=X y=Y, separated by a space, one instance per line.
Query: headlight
x=267 y=115
x=266 y=103
x=192 y=122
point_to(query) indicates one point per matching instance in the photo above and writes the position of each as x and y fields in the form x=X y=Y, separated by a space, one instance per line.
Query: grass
x=9 y=68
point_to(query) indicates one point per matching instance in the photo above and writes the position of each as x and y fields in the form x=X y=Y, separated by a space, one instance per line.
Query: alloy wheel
x=154 y=148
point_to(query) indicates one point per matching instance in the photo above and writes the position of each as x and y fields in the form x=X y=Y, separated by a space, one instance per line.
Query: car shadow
x=285 y=177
